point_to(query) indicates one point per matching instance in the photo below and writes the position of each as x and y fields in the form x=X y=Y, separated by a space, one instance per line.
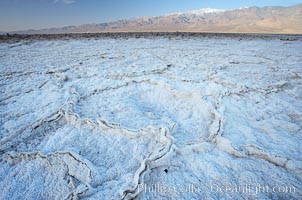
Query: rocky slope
x=286 y=20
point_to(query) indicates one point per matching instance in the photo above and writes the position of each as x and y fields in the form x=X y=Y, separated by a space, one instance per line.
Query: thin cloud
x=64 y=1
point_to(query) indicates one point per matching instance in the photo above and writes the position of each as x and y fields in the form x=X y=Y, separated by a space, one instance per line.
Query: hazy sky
x=34 y=14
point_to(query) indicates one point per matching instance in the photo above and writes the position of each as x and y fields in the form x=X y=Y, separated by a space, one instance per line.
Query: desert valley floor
x=151 y=118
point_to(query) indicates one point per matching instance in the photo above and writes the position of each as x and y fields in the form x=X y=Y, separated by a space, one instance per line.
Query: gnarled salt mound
x=164 y=118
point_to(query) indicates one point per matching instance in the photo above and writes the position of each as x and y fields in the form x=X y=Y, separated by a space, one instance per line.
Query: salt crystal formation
x=114 y=118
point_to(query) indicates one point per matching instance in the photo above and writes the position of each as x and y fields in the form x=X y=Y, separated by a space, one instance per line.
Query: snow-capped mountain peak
x=205 y=11
x=199 y=12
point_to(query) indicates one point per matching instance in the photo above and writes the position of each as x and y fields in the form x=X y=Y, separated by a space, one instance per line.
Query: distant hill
x=283 y=20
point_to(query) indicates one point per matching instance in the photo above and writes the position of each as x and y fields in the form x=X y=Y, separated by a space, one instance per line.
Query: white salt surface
x=150 y=118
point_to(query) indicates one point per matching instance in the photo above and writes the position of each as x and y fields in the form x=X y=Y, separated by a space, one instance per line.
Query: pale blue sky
x=34 y=14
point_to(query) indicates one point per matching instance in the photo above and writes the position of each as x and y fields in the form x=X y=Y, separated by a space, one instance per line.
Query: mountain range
x=272 y=19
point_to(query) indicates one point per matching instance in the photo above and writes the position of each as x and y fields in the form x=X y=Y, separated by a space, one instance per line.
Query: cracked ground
x=105 y=118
